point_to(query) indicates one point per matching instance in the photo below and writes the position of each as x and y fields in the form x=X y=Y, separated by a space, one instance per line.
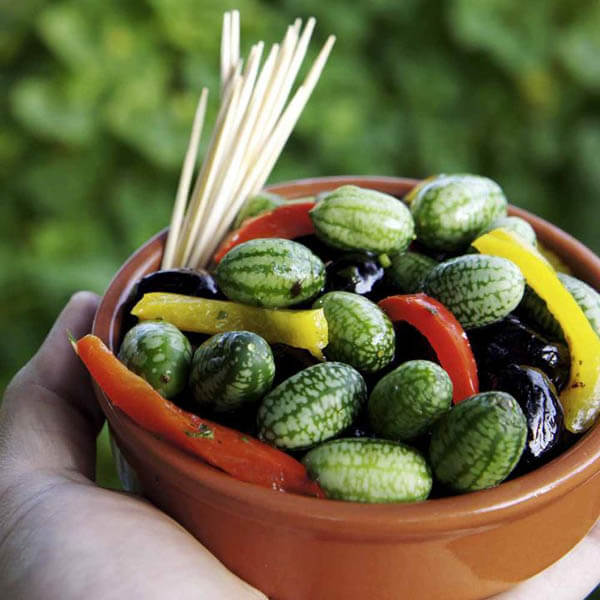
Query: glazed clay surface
x=294 y=547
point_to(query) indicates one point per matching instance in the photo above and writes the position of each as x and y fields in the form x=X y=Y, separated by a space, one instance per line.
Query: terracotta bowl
x=296 y=548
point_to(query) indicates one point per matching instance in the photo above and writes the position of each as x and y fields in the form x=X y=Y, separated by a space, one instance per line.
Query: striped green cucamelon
x=271 y=273
x=450 y=211
x=360 y=333
x=257 y=205
x=479 y=442
x=586 y=297
x=230 y=370
x=407 y=271
x=354 y=218
x=407 y=401
x=535 y=311
x=311 y=406
x=369 y=470
x=478 y=289
x=160 y=353
x=516 y=225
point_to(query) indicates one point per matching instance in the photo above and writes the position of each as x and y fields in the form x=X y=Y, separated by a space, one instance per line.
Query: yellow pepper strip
x=299 y=328
x=581 y=397
x=553 y=258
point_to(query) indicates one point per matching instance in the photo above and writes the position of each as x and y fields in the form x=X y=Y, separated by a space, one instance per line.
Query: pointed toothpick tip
x=254 y=121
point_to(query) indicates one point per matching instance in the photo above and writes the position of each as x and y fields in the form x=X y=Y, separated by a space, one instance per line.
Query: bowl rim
x=510 y=500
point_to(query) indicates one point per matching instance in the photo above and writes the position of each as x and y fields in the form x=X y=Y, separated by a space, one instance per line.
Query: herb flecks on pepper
x=298 y=328
x=581 y=397
x=445 y=334
x=238 y=454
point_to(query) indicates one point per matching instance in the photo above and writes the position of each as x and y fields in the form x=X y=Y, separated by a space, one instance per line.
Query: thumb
x=49 y=418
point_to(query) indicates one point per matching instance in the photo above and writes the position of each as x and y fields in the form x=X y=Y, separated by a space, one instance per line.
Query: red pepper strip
x=287 y=221
x=241 y=456
x=445 y=334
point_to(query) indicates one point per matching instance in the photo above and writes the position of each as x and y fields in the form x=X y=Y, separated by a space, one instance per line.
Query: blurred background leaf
x=99 y=95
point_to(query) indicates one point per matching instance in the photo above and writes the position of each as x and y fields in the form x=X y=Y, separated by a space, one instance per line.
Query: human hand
x=61 y=536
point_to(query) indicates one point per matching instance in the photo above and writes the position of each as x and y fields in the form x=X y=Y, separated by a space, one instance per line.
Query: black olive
x=411 y=344
x=179 y=281
x=243 y=420
x=437 y=255
x=176 y=281
x=289 y=360
x=538 y=398
x=319 y=248
x=510 y=341
x=358 y=430
x=357 y=272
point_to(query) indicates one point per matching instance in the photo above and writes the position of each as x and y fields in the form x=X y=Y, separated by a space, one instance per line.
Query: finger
x=56 y=358
x=49 y=418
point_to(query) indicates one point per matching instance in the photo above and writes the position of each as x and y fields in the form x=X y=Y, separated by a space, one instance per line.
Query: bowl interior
x=508 y=500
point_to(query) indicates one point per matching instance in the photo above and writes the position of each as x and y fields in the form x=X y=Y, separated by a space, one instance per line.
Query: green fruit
x=450 y=211
x=478 y=289
x=408 y=270
x=311 y=406
x=478 y=443
x=535 y=310
x=160 y=353
x=270 y=272
x=407 y=401
x=586 y=297
x=354 y=218
x=369 y=470
x=515 y=225
x=230 y=370
x=257 y=205
x=360 y=333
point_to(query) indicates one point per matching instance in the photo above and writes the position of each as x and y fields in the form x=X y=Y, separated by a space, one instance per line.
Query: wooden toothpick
x=253 y=124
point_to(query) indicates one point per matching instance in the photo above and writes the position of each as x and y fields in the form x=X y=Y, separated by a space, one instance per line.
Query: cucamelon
x=478 y=289
x=230 y=370
x=270 y=272
x=311 y=406
x=450 y=211
x=160 y=353
x=407 y=401
x=535 y=309
x=369 y=470
x=586 y=297
x=516 y=225
x=360 y=333
x=407 y=271
x=354 y=218
x=478 y=443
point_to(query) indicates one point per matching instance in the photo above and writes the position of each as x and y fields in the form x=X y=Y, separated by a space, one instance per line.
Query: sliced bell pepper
x=287 y=221
x=445 y=334
x=580 y=398
x=236 y=453
x=299 y=328
x=556 y=261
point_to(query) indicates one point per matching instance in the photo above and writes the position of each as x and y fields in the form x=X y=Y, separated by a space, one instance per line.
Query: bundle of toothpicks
x=253 y=124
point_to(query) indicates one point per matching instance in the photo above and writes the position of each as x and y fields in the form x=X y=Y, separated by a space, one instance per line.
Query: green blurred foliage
x=98 y=98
